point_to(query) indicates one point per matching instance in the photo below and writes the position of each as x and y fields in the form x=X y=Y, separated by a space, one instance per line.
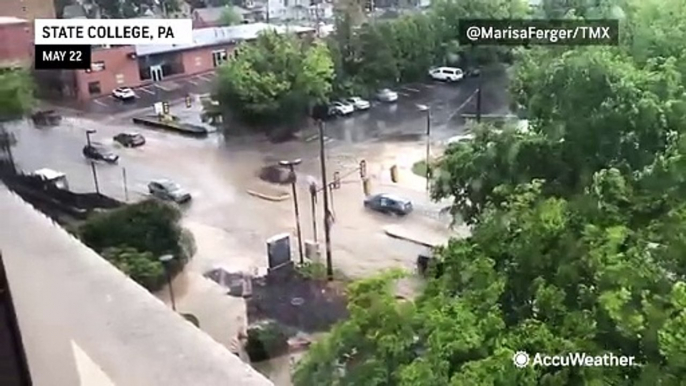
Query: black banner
x=58 y=57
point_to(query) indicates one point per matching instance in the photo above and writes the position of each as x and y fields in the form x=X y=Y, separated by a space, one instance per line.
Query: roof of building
x=74 y=11
x=205 y=37
x=214 y=14
x=11 y=20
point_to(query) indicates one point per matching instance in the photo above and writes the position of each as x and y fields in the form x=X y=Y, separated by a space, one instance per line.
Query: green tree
x=148 y=226
x=276 y=78
x=142 y=267
x=230 y=17
x=16 y=94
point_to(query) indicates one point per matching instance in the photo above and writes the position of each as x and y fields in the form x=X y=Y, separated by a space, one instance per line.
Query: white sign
x=113 y=31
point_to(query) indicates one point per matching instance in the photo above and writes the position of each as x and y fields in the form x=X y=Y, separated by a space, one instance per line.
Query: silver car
x=387 y=95
x=168 y=190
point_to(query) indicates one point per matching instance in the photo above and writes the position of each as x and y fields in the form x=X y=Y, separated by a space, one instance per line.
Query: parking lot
x=167 y=90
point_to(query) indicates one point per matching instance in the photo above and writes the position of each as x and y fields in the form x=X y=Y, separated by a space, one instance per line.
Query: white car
x=359 y=103
x=387 y=95
x=446 y=74
x=123 y=93
x=342 y=108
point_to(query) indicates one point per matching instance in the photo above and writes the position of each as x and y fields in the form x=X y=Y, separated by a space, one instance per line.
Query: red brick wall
x=120 y=71
x=17 y=43
x=200 y=60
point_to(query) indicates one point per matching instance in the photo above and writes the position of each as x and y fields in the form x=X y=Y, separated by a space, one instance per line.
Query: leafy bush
x=133 y=238
x=144 y=268
x=265 y=341
x=148 y=226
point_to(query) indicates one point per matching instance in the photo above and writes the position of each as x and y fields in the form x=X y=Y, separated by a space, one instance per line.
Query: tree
x=276 y=78
x=16 y=94
x=143 y=267
x=148 y=226
x=577 y=241
x=230 y=17
x=122 y=9
x=612 y=113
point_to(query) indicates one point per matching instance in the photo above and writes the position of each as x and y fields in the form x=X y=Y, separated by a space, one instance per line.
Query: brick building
x=29 y=9
x=135 y=66
x=16 y=49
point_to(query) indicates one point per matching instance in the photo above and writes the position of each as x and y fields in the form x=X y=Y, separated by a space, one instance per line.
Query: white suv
x=447 y=74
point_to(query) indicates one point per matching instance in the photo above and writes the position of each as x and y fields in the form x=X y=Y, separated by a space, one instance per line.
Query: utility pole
x=293 y=177
x=478 y=101
x=327 y=212
x=313 y=202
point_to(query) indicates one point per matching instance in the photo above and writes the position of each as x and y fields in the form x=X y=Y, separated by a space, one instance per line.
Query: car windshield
x=124 y=90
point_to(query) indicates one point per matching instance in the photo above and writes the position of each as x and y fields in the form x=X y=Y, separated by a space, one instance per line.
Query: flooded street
x=230 y=226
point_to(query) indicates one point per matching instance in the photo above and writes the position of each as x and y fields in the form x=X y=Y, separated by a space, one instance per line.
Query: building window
x=98 y=66
x=120 y=78
x=218 y=57
x=94 y=88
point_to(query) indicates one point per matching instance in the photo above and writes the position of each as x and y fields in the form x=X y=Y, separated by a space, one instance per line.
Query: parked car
x=123 y=93
x=387 y=95
x=342 y=108
x=389 y=204
x=359 y=103
x=130 y=139
x=446 y=74
x=460 y=138
x=169 y=190
x=97 y=151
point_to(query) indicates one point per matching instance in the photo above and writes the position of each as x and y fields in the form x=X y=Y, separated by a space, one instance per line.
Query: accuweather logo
x=522 y=359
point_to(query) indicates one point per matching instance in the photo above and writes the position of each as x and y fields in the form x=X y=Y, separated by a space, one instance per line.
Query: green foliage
x=16 y=94
x=230 y=17
x=577 y=242
x=276 y=78
x=147 y=226
x=266 y=341
x=143 y=267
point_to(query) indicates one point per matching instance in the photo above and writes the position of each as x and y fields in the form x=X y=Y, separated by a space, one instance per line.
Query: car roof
x=393 y=197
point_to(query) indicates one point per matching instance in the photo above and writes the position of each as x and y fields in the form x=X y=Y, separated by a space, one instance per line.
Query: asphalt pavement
x=146 y=96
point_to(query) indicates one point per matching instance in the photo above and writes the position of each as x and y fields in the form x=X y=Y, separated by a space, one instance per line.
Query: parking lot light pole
x=427 y=110
x=165 y=260
x=291 y=165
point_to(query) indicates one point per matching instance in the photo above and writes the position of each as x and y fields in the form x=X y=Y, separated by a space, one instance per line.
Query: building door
x=156 y=73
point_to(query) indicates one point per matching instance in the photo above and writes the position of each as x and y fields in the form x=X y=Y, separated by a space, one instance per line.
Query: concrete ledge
x=83 y=322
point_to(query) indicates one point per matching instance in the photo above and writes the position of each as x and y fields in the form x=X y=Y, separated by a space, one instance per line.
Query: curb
x=410 y=239
x=282 y=197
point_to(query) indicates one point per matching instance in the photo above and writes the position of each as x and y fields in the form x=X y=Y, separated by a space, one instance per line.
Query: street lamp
x=427 y=110
x=88 y=136
x=292 y=176
x=166 y=260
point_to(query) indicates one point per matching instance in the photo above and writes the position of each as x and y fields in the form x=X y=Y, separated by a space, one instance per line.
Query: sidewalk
x=424 y=233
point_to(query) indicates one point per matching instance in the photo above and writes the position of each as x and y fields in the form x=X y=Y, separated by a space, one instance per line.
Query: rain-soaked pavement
x=231 y=226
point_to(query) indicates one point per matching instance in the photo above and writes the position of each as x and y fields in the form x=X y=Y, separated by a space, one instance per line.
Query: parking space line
x=205 y=79
x=99 y=102
x=410 y=89
x=403 y=93
x=192 y=82
x=161 y=87
x=428 y=85
x=146 y=90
